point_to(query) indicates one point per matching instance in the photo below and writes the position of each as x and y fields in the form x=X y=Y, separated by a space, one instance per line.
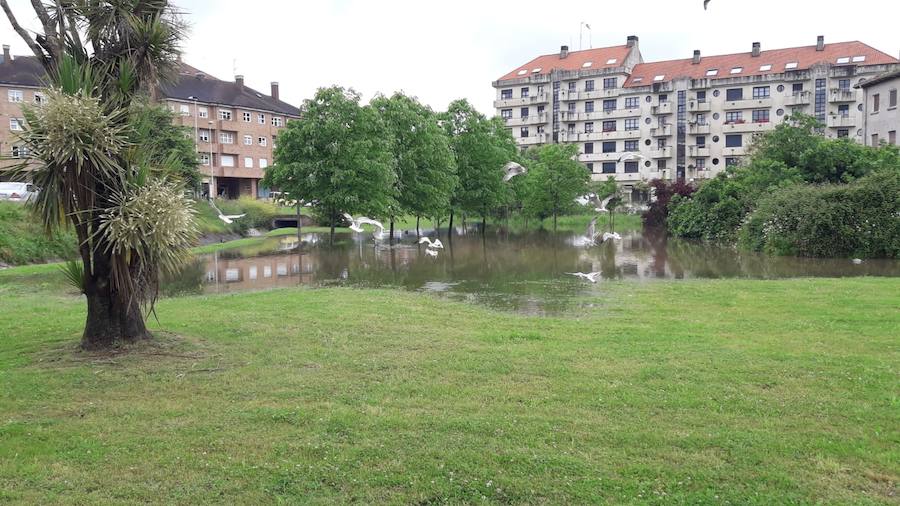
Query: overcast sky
x=440 y=51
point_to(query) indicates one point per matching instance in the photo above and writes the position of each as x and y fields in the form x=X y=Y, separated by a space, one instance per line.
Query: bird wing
x=234 y=216
x=438 y=244
x=424 y=240
x=591 y=229
x=348 y=218
x=705 y=3
x=369 y=221
x=513 y=169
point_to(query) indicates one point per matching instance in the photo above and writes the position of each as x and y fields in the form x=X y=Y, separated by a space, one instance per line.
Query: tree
x=130 y=225
x=164 y=144
x=555 y=180
x=337 y=156
x=481 y=147
x=426 y=169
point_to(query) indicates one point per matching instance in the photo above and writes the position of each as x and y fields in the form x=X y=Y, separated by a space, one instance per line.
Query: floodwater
x=520 y=272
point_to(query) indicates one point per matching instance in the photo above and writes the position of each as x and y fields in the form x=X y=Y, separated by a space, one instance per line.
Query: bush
x=23 y=240
x=860 y=219
x=664 y=192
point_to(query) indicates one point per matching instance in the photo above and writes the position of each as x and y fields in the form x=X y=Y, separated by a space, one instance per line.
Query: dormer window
x=659 y=78
x=842 y=60
x=765 y=68
x=712 y=72
x=612 y=61
x=790 y=65
x=859 y=59
x=737 y=70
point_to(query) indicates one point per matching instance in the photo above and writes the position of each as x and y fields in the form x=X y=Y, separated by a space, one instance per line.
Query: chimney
x=632 y=41
x=275 y=90
x=563 y=51
x=239 y=80
x=696 y=59
x=6 y=56
x=756 y=47
x=820 y=43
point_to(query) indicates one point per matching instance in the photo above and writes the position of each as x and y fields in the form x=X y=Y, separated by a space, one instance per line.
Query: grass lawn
x=731 y=392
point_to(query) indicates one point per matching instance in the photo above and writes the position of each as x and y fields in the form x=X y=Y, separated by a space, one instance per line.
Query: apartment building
x=881 y=117
x=682 y=119
x=235 y=127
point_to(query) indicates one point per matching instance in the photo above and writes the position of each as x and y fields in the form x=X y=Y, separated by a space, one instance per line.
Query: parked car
x=17 y=192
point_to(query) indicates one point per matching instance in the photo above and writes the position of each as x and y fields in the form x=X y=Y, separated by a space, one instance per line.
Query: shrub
x=664 y=192
x=860 y=219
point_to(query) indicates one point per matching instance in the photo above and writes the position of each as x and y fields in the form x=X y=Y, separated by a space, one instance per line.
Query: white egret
x=590 y=276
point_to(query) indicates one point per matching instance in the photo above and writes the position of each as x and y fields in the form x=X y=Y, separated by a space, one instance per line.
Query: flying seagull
x=590 y=276
x=227 y=218
x=436 y=244
x=431 y=252
x=357 y=223
x=705 y=3
x=599 y=205
x=513 y=169
x=590 y=235
x=611 y=237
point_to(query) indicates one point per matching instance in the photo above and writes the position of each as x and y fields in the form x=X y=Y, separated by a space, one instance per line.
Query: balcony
x=665 y=152
x=505 y=103
x=747 y=126
x=736 y=151
x=599 y=157
x=697 y=106
x=798 y=98
x=753 y=103
x=532 y=119
x=663 y=131
x=841 y=121
x=662 y=109
x=840 y=95
x=533 y=140
x=698 y=151
x=698 y=129
x=565 y=136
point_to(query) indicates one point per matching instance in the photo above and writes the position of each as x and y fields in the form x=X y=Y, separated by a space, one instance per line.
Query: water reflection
x=523 y=272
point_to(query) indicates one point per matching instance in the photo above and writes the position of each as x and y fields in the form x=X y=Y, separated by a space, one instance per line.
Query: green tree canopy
x=555 y=179
x=337 y=157
x=163 y=144
x=425 y=166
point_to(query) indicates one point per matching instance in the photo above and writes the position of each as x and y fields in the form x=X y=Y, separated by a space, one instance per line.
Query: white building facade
x=681 y=119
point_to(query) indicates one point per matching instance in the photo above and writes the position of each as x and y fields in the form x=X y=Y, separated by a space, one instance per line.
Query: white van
x=17 y=192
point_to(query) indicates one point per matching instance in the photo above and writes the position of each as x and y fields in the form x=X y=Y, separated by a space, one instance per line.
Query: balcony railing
x=798 y=98
x=697 y=106
x=698 y=151
x=520 y=101
x=662 y=108
x=531 y=119
x=747 y=126
x=665 y=152
x=663 y=131
x=841 y=121
x=698 y=129
x=841 y=95
x=751 y=103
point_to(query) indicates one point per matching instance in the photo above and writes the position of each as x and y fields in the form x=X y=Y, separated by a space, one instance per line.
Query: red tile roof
x=805 y=57
x=574 y=61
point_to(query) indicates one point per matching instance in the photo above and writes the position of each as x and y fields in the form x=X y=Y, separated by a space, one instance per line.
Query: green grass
x=23 y=240
x=731 y=391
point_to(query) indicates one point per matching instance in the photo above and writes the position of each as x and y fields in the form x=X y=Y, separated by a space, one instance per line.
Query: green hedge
x=860 y=219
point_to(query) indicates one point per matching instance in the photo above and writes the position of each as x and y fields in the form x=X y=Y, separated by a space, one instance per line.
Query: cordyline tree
x=482 y=147
x=337 y=156
x=100 y=58
x=555 y=179
x=425 y=167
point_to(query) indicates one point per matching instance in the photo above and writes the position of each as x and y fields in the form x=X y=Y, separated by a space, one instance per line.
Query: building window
x=609 y=147
x=701 y=97
x=610 y=83
x=734 y=94
x=540 y=89
x=760 y=92
x=663 y=98
x=844 y=110
x=631 y=146
x=731 y=161
x=572 y=85
x=632 y=102
x=820 y=100
x=589 y=127
x=225 y=114
x=761 y=116
x=571 y=128
x=589 y=106
x=263 y=141
x=506 y=94
x=797 y=88
x=523 y=132
x=226 y=137
x=631 y=167
x=277 y=121
x=734 y=117
x=842 y=133
x=540 y=109
x=661 y=143
x=661 y=164
x=523 y=112
x=248 y=117
x=588 y=148
x=39 y=98
x=632 y=124
x=608 y=168
x=874 y=139
x=540 y=130
x=263 y=163
x=203 y=135
x=15 y=96
x=734 y=141
x=589 y=85
x=204 y=158
x=609 y=126
x=203 y=112
x=572 y=107
x=701 y=141
x=15 y=124
x=590 y=167
x=892 y=98
x=844 y=84
x=523 y=92
x=892 y=137
x=19 y=152
x=506 y=113
x=248 y=140
x=248 y=162
x=185 y=109
x=700 y=163
x=227 y=160
x=609 y=105
x=876 y=102
x=701 y=119
x=261 y=119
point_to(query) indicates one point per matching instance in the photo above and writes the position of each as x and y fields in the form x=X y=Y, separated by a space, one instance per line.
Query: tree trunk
x=109 y=320
x=554 y=221
x=333 y=219
x=450 y=227
x=391 y=238
x=418 y=234
x=299 y=224
x=483 y=224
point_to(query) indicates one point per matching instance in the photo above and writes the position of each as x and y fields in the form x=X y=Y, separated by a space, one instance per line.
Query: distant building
x=681 y=119
x=235 y=127
x=881 y=118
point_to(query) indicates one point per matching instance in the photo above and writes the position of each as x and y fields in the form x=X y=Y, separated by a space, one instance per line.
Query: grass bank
x=23 y=241
x=731 y=391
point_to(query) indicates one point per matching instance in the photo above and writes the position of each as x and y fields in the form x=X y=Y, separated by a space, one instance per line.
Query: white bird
x=599 y=205
x=590 y=276
x=857 y=261
x=357 y=223
x=611 y=236
x=513 y=169
x=436 y=244
x=431 y=252
x=590 y=235
x=227 y=218
x=630 y=157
